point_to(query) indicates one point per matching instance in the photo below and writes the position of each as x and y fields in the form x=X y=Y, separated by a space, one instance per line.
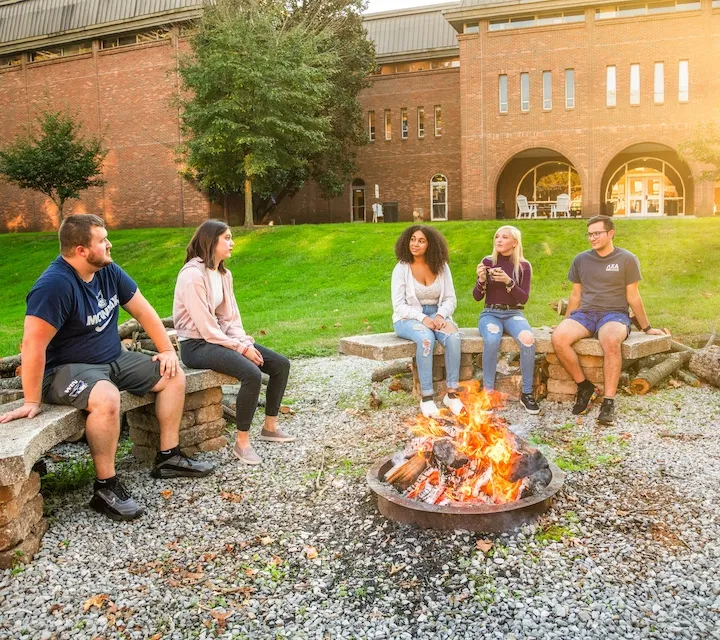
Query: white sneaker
x=429 y=409
x=454 y=404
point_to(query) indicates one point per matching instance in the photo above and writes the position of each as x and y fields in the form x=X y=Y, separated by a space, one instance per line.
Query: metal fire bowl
x=489 y=518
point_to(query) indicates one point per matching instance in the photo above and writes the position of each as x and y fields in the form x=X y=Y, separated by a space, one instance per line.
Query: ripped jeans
x=425 y=338
x=491 y=324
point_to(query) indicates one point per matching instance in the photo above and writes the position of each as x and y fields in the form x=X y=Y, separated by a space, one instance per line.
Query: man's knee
x=176 y=383
x=104 y=398
x=611 y=343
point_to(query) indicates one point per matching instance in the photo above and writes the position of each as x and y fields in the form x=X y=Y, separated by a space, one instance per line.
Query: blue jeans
x=491 y=324
x=425 y=339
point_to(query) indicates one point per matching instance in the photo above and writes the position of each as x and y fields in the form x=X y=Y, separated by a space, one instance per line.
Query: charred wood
x=536 y=483
x=526 y=461
x=445 y=452
x=404 y=475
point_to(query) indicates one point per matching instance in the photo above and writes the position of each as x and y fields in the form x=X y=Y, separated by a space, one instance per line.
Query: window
x=141 y=37
x=634 y=84
x=646 y=9
x=439 y=197
x=541 y=20
x=421 y=122
x=388 y=124
x=611 y=90
x=547 y=90
x=503 y=93
x=471 y=27
x=371 y=126
x=63 y=51
x=524 y=92
x=403 y=124
x=569 y=88
x=11 y=61
x=417 y=65
x=683 y=81
x=716 y=4
x=659 y=83
x=438 y=121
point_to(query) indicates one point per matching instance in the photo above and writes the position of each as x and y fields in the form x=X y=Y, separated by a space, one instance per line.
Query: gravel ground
x=630 y=549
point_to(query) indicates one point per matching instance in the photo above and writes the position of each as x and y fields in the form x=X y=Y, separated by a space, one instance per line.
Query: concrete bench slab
x=388 y=346
x=23 y=442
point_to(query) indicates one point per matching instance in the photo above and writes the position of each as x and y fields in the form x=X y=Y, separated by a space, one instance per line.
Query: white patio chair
x=561 y=208
x=525 y=210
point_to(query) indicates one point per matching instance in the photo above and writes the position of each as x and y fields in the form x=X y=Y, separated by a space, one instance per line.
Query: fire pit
x=469 y=472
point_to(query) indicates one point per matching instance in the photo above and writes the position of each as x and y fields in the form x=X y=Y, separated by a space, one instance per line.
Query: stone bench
x=560 y=386
x=23 y=442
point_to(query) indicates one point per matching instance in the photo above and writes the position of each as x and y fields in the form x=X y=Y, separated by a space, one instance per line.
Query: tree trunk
x=705 y=364
x=248 y=204
x=646 y=379
x=394 y=368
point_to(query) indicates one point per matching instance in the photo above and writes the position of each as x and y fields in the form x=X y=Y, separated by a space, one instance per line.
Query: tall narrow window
x=371 y=126
x=524 y=92
x=569 y=88
x=403 y=124
x=659 y=83
x=611 y=90
x=634 y=84
x=388 y=124
x=683 y=81
x=547 y=90
x=421 y=122
x=438 y=120
x=503 y=93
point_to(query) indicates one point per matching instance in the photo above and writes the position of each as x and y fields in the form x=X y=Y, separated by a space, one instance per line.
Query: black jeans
x=200 y=354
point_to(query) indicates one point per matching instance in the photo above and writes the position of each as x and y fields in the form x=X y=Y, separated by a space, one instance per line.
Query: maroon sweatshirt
x=495 y=292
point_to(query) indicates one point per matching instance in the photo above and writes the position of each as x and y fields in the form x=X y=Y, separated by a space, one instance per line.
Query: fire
x=485 y=454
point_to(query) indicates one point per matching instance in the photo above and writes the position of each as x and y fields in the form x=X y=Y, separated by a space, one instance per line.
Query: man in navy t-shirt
x=72 y=355
x=605 y=282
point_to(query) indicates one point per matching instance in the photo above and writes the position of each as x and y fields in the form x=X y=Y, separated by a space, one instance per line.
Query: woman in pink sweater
x=211 y=334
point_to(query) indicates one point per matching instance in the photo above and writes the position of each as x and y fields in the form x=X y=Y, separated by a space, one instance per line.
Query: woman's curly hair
x=437 y=251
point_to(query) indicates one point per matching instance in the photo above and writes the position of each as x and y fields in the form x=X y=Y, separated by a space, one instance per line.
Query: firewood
x=687 y=377
x=526 y=461
x=646 y=379
x=9 y=364
x=705 y=364
x=703 y=339
x=655 y=359
x=126 y=329
x=391 y=369
x=11 y=383
x=402 y=477
x=445 y=452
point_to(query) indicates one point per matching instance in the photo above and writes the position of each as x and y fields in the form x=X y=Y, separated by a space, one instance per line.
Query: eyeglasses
x=595 y=234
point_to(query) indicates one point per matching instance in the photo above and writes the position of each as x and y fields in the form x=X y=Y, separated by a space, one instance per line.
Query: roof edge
x=430 y=8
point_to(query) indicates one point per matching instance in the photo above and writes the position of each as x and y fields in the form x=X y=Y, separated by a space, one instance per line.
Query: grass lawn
x=302 y=287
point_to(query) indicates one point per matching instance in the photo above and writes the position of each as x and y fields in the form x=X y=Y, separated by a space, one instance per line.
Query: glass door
x=653 y=191
x=645 y=195
x=358 y=204
x=636 y=195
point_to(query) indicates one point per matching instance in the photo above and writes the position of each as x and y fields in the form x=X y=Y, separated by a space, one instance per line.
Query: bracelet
x=646 y=329
x=510 y=285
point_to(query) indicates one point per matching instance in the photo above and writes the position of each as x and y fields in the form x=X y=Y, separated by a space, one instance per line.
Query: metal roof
x=26 y=19
x=415 y=29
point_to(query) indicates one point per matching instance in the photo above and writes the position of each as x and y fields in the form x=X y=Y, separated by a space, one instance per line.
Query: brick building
x=474 y=104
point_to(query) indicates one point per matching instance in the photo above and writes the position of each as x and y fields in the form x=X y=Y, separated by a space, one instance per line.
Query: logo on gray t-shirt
x=604 y=279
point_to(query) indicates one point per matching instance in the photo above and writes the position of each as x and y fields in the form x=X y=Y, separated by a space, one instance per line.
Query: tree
x=704 y=147
x=53 y=158
x=256 y=86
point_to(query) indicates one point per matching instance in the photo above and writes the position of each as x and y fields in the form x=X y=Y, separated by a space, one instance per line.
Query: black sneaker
x=584 y=397
x=180 y=465
x=527 y=401
x=115 y=502
x=607 y=413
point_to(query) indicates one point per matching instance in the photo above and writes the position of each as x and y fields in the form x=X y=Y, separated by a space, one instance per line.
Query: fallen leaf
x=395 y=385
x=190 y=577
x=311 y=553
x=230 y=497
x=483 y=545
x=96 y=601
x=707 y=294
x=206 y=557
x=337 y=324
x=56 y=457
x=167 y=494
x=266 y=540
x=276 y=561
x=250 y=572
x=674 y=383
x=262 y=332
x=157 y=636
x=323 y=326
x=396 y=568
x=625 y=435
x=286 y=410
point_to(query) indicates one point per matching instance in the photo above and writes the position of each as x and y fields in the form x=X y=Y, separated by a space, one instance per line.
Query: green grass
x=300 y=288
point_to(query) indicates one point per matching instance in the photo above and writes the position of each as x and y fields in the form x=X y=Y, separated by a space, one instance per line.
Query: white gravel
x=630 y=549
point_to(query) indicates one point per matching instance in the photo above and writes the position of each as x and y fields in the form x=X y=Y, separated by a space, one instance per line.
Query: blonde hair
x=516 y=257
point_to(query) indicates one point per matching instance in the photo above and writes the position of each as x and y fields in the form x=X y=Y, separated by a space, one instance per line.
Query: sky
x=388 y=5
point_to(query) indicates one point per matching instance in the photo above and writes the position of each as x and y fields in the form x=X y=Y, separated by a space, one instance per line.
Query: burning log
x=536 y=482
x=646 y=379
x=526 y=461
x=446 y=453
x=406 y=474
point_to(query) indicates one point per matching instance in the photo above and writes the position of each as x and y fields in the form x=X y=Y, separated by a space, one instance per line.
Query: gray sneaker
x=181 y=466
x=114 y=501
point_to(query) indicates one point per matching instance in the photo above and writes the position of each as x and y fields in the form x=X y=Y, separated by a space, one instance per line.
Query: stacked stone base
x=201 y=428
x=22 y=525
x=560 y=385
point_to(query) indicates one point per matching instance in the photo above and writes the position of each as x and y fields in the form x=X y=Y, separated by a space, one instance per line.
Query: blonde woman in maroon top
x=503 y=281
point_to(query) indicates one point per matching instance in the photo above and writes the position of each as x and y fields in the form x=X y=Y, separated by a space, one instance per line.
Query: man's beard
x=98 y=261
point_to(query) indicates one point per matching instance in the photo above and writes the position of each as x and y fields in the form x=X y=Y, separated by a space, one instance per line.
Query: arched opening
x=647 y=179
x=357 y=200
x=541 y=175
x=438 y=197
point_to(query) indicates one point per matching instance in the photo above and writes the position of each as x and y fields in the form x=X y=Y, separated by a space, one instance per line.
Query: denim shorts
x=593 y=320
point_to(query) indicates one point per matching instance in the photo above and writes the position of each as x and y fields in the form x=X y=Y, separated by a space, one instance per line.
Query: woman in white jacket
x=423 y=298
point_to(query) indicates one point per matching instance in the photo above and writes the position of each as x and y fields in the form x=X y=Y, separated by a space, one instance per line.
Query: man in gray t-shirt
x=605 y=283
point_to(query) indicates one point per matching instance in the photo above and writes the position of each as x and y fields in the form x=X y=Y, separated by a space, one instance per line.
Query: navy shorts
x=593 y=320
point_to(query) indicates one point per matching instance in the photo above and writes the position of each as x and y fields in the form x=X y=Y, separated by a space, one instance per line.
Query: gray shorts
x=71 y=384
